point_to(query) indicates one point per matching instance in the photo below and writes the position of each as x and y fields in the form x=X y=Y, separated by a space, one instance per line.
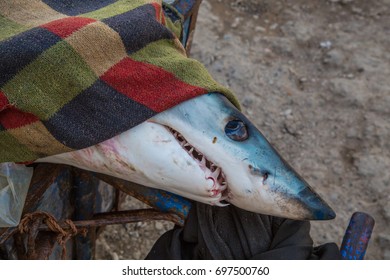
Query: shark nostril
x=265 y=176
x=258 y=172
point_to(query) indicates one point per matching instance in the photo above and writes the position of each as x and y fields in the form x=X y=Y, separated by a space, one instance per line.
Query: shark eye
x=236 y=130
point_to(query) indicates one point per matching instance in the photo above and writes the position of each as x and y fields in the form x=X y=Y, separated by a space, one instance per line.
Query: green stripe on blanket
x=49 y=82
x=9 y=28
x=164 y=54
x=117 y=8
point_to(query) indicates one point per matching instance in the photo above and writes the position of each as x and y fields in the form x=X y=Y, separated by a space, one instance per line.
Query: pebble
x=298 y=29
x=353 y=132
x=326 y=44
x=114 y=256
x=357 y=10
x=137 y=255
x=134 y=233
x=292 y=127
x=227 y=37
x=334 y=197
x=334 y=57
x=260 y=29
x=303 y=80
x=159 y=225
x=368 y=165
x=287 y=112
x=273 y=26
x=236 y=22
x=247 y=102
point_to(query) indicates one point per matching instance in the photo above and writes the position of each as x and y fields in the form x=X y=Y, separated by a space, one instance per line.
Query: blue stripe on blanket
x=138 y=27
x=20 y=50
x=76 y=7
x=83 y=121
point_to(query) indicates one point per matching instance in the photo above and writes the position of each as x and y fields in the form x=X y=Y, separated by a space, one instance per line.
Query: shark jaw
x=157 y=156
x=188 y=150
x=216 y=179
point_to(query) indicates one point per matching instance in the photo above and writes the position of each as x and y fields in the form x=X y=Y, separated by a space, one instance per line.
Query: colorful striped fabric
x=75 y=73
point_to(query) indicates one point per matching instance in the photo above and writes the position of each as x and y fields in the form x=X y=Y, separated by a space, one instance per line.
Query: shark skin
x=206 y=150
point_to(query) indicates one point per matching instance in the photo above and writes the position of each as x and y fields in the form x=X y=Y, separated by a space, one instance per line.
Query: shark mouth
x=216 y=180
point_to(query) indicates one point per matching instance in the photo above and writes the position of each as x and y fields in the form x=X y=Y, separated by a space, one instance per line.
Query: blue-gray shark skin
x=206 y=150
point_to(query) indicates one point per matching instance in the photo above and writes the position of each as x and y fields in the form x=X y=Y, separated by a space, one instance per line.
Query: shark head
x=206 y=150
x=245 y=169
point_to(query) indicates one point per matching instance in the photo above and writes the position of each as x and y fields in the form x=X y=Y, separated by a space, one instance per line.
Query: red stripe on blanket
x=66 y=26
x=159 y=14
x=3 y=101
x=149 y=85
x=14 y=118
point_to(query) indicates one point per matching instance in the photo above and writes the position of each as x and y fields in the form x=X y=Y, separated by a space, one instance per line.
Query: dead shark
x=206 y=150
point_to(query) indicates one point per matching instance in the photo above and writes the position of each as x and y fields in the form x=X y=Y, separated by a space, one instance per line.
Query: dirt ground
x=313 y=76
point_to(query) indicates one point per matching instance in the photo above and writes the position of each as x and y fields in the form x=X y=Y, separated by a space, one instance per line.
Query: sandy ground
x=313 y=76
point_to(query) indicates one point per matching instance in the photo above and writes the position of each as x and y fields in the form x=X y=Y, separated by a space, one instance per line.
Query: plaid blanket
x=75 y=73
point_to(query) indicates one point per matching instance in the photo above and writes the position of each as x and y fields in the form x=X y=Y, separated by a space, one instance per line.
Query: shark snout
x=272 y=187
x=316 y=208
x=296 y=197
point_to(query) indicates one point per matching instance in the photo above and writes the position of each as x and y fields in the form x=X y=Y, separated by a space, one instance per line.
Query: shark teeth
x=216 y=179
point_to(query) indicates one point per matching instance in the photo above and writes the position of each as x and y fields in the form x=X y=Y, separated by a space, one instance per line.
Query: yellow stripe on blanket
x=100 y=46
x=29 y=13
x=46 y=143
